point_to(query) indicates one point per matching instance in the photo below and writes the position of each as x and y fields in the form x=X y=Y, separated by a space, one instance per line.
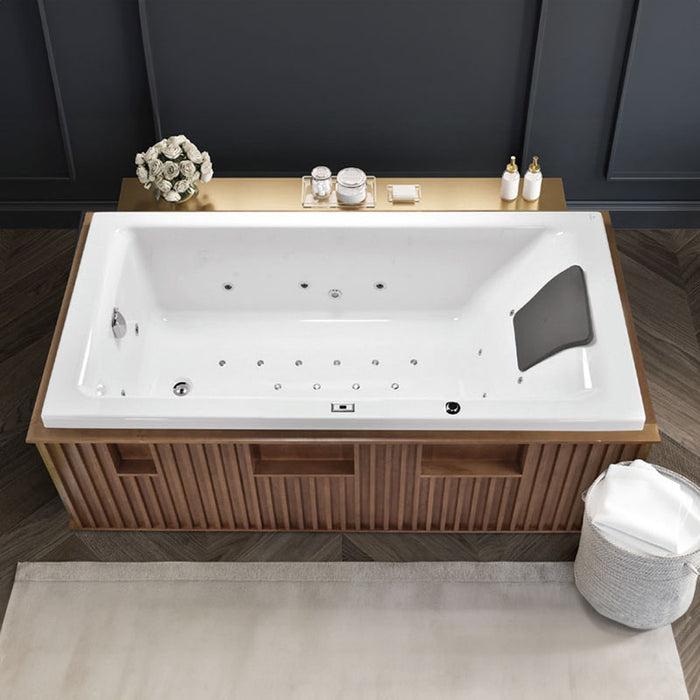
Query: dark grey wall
x=607 y=92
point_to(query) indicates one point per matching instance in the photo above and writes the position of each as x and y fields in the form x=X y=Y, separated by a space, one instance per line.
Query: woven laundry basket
x=643 y=591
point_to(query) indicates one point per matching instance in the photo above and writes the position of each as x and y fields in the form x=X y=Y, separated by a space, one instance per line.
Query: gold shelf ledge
x=282 y=194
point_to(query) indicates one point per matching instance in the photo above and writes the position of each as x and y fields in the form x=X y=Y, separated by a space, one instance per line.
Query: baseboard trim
x=644 y=214
x=98 y=205
x=45 y=214
x=634 y=205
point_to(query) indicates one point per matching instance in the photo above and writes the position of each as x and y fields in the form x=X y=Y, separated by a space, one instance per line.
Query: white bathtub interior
x=272 y=319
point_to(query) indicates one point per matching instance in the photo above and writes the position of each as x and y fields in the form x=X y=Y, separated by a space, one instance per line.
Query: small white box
x=398 y=194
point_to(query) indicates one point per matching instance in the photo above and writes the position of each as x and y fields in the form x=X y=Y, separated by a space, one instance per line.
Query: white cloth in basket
x=643 y=510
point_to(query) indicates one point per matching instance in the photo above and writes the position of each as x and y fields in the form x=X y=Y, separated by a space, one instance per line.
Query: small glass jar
x=321 y=183
x=351 y=186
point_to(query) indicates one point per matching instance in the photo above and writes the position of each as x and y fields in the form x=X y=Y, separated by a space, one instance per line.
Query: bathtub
x=336 y=320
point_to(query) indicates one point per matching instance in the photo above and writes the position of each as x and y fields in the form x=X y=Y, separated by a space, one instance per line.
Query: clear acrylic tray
x=308 y=201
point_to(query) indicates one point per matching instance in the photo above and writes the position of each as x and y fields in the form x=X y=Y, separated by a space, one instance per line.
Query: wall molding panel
x=537 y=58
x=96 y=70
x=70 y=162
x=44 y=41
x=627 y=145
x=411 y=100
x=150 y=71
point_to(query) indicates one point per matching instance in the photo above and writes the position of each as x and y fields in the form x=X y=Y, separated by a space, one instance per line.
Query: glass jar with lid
x=321 y=183
x=351 y=186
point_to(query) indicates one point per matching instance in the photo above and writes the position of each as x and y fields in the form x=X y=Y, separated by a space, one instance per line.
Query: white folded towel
x=642 y=509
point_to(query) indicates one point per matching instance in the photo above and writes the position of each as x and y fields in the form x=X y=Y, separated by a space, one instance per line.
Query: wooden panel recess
x=303 y=459
x=132 y=460
x=472 y=460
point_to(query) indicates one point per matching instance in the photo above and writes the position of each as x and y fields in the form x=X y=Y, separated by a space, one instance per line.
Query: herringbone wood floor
x=662 y=271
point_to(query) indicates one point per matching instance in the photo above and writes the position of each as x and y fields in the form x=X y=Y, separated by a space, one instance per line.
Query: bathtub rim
x=38 y=433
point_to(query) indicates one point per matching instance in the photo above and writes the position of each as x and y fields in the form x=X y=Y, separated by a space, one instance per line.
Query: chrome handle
x=118 y=323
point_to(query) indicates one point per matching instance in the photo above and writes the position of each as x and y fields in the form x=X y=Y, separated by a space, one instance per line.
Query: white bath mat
x=330 y=630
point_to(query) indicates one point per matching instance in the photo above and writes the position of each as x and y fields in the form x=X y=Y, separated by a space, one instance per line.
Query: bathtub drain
x=181 y=389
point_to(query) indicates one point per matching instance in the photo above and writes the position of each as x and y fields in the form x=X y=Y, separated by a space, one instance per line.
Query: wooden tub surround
x=406 y=481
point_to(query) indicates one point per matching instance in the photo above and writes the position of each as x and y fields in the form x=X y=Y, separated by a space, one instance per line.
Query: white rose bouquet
x=172 y=167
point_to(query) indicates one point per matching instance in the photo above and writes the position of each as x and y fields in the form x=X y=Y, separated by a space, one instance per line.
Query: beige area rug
x=321 y=630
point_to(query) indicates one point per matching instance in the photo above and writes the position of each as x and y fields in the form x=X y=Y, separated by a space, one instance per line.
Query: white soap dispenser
x=532 y=183
x=510 y=181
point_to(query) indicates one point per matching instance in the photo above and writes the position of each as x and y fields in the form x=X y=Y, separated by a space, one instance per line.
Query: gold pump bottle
x=510 y=181
x=532 y=182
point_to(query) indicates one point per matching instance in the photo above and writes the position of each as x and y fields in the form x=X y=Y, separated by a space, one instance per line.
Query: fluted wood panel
x=215 y=487
x=75 y=498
